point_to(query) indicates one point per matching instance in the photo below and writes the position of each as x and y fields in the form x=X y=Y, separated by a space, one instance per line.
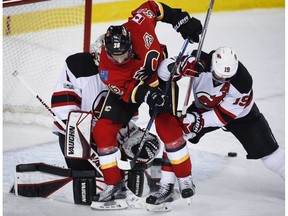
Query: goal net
x=37 y=38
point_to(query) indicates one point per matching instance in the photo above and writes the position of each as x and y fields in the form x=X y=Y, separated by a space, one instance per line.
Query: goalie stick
x=189 y=89
x=128 y=165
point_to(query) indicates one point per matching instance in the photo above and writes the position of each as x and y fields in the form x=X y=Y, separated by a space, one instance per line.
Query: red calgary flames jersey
x=122 y=79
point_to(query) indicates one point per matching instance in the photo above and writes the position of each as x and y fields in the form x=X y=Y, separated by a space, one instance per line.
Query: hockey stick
x=55 y=117
x=128 y=165
x=59 y=121
x=207 y=19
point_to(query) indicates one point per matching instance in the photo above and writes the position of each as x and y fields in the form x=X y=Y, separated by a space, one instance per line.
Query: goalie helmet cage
x=38 y=35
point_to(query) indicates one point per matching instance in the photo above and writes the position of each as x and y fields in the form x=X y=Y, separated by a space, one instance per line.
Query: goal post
x=38 y=35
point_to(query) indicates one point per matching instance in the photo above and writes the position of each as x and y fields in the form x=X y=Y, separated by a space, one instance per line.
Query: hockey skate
x=112 y=197
x=187 y=188
x=160 y=201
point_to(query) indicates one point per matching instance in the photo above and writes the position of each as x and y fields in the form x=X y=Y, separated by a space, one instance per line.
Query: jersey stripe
x=224 y=115
x=65 y=98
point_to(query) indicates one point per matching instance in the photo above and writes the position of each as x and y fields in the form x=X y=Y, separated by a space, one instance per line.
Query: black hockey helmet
x=117 y=40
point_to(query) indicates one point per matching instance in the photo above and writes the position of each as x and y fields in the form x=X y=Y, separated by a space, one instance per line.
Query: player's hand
x=188 y=27
x=189 y=67
x=154 y=98
x=192 y=123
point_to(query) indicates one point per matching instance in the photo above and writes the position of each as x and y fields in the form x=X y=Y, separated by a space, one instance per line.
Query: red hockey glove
x=189 y=68
x=192 y=123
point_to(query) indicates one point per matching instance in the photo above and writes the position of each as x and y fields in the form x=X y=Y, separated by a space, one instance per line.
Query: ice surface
x=225 y=186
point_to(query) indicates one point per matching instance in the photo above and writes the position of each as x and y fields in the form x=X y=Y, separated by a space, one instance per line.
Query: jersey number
x=242 y=101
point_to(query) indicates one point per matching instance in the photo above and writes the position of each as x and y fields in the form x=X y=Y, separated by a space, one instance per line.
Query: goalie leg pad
x=136 y=182
x=78 y=135
x=43 y=180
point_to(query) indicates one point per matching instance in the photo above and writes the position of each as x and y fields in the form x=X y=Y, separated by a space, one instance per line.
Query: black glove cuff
x=180 y=19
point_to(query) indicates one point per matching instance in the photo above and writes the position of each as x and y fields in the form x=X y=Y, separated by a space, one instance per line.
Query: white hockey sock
x=276 y=162
x=167 y=177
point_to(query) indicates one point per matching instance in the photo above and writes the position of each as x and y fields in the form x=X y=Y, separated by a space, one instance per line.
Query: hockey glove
x=188 y=68
x=154 y=98
x=189 y=28
x=192 y=123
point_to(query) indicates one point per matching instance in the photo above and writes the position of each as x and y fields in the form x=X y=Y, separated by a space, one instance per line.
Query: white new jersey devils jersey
x=219 y=103
x=78 y=88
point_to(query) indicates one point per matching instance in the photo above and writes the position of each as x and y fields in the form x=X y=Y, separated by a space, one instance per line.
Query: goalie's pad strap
x=43 y=180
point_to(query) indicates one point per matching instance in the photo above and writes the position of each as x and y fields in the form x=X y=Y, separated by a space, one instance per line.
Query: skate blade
x=189 y=201
x=164 y=207
x=110 y=205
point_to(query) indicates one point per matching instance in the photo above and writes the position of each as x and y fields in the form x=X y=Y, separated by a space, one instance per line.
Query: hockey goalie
x=80 y=186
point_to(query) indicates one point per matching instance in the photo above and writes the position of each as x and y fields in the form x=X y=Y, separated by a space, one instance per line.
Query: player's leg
x=255 y=134
x=170 y=132
x=105 y=137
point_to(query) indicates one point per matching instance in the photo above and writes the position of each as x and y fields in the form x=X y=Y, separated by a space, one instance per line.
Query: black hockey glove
x=154 y=98
x=189 y=28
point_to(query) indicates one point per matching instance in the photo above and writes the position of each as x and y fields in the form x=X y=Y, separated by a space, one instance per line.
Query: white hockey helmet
x=224 y=63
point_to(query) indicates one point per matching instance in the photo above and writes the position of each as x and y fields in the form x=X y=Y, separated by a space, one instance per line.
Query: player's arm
x=189 y=27
x=66 y=96
x=228 y=110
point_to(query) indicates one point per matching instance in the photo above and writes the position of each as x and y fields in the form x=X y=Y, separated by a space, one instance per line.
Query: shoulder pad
x=82 y=65
x=242 y=81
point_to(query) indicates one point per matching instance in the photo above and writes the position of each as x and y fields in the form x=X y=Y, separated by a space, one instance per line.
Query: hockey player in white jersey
x=223 y=98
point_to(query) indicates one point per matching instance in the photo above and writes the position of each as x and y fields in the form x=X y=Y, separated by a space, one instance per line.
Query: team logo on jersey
x=115 y=89
x=148 y=40
x=103 y=75
x=211 y=101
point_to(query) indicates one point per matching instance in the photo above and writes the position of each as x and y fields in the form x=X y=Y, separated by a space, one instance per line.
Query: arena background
x=109 y=11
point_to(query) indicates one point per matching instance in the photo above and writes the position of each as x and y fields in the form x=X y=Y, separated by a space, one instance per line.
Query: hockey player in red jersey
x=223 y=98
x=128 y=64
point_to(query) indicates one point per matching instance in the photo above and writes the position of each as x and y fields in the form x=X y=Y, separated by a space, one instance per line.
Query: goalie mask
x=149 y=151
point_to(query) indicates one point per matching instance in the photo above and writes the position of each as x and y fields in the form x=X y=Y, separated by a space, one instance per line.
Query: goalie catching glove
x=131 y=145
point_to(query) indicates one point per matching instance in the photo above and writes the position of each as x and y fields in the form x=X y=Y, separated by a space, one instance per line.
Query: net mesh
x=37 y=38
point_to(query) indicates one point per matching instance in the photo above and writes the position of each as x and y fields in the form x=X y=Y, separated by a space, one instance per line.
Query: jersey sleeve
x=153 y=6
x=66 y=95
x=234 y=105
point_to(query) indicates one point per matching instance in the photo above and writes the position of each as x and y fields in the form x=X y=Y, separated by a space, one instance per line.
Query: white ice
x=225 y=186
